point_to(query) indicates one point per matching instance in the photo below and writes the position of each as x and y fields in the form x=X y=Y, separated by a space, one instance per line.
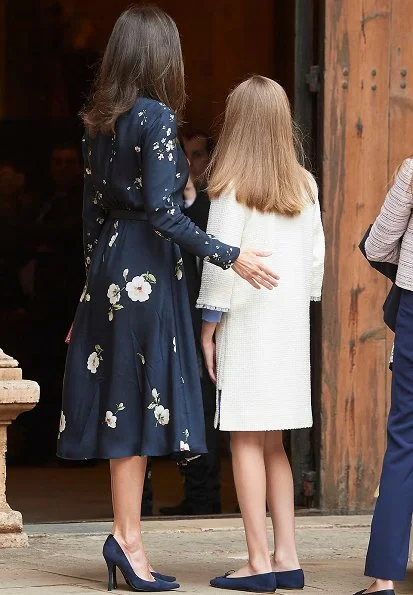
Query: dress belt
x=126 y=214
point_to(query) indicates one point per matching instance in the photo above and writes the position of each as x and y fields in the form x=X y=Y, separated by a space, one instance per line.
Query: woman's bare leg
x=280 y=497
x=127 y=477
x=247 y=450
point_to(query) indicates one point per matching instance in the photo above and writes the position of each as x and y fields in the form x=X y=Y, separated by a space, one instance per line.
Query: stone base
x=11 y=529
x=9 y=540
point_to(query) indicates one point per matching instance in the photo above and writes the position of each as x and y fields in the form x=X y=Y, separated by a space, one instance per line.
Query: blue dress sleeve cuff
x=211 y=315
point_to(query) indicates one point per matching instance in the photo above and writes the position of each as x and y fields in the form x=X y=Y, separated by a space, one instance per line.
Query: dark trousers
x=201 y=474
x=390 y=532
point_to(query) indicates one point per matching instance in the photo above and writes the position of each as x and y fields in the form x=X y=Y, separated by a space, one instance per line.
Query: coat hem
x=202 y=306
x=227 y=428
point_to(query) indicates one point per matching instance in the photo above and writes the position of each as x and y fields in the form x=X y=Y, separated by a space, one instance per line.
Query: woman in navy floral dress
x=131 y=387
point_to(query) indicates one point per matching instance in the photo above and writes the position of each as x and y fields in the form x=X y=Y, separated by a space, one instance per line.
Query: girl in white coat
x=257 y=344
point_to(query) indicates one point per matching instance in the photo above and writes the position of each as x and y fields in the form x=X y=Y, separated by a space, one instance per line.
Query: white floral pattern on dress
x=183 y=445
x=161 y=414
x=85 y=297
x=94 y=359
x=114 y=235
x=144 y=119
x=62 y=423
x=113 y=293
x=111 y=418
x=165 y=147
x=138 y=289
x=113 y=239
x=179 y=270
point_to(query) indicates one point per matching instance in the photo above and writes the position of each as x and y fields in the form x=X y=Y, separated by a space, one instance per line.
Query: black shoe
x=258 y=583
x=187 y=508
x=290 y=579
x=383 y=592
x=181 y=509
x=216 y=508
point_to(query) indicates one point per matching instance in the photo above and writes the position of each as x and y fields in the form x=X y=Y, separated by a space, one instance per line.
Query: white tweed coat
x=263 y=340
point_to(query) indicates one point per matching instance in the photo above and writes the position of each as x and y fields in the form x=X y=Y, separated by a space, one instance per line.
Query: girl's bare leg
x=247 y=450
x=280 y=497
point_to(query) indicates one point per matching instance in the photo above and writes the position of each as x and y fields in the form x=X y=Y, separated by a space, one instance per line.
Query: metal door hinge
x=313 y=78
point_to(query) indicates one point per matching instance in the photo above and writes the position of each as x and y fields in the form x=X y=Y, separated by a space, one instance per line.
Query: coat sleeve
x=318 y=253
x=383 y=243
x=227 y=220
x=159 y=180
x=93 y=214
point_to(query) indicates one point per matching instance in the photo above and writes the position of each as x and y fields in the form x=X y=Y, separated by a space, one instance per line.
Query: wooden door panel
x=355 y=174
x=401 y=83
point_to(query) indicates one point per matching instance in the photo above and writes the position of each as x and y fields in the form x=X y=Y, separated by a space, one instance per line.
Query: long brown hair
x=143 y=58
x=257 y=152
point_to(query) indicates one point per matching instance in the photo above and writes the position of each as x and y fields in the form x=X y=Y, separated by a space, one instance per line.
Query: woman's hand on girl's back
x=249 y=266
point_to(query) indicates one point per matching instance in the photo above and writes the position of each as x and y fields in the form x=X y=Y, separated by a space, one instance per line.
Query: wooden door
x=368 y=129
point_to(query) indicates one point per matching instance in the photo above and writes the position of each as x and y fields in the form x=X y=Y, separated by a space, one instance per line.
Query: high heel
x=115 y=557
x=112 y=580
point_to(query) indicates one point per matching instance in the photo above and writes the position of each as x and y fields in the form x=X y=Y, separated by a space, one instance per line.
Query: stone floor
x=66 y=558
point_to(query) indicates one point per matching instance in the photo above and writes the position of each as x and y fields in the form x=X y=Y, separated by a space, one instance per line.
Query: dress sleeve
x=159 y=180
x=226 y=219
x=318 y=252
x=93 y=214
x=383 y=243
x=211 y=315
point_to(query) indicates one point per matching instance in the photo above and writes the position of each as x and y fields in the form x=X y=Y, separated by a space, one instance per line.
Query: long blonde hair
x=257 y=151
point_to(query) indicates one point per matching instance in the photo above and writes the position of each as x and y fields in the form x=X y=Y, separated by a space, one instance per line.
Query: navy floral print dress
x=131 y=383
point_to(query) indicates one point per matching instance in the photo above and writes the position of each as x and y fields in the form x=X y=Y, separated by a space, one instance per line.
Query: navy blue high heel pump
x=115 y=558
x=164 y=577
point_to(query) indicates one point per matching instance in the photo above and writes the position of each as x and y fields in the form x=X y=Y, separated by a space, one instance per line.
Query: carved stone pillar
x=16 y=396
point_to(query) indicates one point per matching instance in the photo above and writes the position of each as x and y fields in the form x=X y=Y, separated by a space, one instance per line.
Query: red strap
x=69 y=335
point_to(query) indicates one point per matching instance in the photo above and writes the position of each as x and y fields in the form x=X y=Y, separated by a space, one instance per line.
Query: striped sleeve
x=383 y=243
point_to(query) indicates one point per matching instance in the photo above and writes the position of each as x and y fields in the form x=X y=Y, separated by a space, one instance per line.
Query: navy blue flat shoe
x=383 y=592
x=115 y=558
x=164 y=577
x=290 y=579
x=258 y=583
